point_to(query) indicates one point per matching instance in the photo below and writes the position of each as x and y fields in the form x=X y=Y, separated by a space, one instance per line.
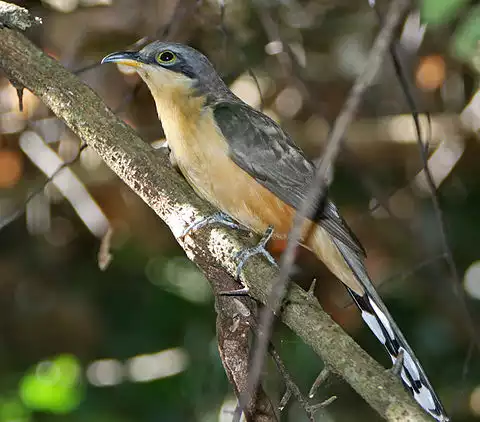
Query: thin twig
x=322 y=377
x=423 y=150
x=404 y=275
x=290 y=384
x=272 y=31
x=286 y=397
x=292 y=388
x=323 y=404
x=320 y=183
x=466 y=363
x=185 y=9
x=134 y=46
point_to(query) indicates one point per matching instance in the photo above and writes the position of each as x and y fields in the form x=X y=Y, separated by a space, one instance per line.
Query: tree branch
x=234 y=317
x=17 y=17
x=149 y=174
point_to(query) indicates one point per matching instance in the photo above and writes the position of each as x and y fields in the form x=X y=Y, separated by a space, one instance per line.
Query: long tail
x=379 y=320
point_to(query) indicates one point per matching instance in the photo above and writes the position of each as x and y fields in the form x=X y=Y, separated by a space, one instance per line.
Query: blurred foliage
x=465 y=39
x=437 y=12
x=11 y=409
x=136 y=342
x=467 y=36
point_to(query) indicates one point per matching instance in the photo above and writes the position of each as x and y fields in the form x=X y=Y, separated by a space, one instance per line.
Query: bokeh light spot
x=289 y=102
x=471 y=280
x=163 y=364
x=11 y=168
x=475 y=401
x=53 y=386
x=105 y=373
x=431 y=73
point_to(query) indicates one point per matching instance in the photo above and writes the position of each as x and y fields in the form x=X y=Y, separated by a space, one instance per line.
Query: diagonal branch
x=149 y=174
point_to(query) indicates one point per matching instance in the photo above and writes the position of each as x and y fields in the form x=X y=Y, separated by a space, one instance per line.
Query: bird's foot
x=244 y=255
x=260 y=249
x=218 y=217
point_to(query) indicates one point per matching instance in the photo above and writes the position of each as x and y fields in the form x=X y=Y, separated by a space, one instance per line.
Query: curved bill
x=129 y=58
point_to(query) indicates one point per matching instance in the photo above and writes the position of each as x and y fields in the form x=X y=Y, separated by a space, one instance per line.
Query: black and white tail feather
x=379 y=320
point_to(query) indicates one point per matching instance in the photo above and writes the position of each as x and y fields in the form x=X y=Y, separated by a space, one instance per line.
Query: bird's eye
x=166 y=57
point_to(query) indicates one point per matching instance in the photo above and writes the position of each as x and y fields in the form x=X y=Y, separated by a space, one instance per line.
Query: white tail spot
x=372 y=322
x=424 y=398
x=410 y=364
x=382 y=318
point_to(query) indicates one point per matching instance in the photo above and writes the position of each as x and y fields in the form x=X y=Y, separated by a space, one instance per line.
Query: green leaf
x=438 y=12
x=466 y=42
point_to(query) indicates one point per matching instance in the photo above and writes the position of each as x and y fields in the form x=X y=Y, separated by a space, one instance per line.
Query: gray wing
x=261 y=148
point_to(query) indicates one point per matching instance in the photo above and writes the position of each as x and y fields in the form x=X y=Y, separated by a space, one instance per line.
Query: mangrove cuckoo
x=244 y=164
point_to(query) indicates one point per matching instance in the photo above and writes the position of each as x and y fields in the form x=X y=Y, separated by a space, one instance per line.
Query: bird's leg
x=259 y=249
x=218 y=217
x=242 y=257
x=225 y=219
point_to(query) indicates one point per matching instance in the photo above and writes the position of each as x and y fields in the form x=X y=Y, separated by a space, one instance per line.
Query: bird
x=250 y=169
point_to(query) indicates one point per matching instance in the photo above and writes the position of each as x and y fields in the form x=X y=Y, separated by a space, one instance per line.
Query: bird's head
x=172 y=67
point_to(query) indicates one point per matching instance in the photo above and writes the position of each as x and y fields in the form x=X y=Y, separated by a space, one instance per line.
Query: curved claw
x=238 y=292
x=260 y=249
